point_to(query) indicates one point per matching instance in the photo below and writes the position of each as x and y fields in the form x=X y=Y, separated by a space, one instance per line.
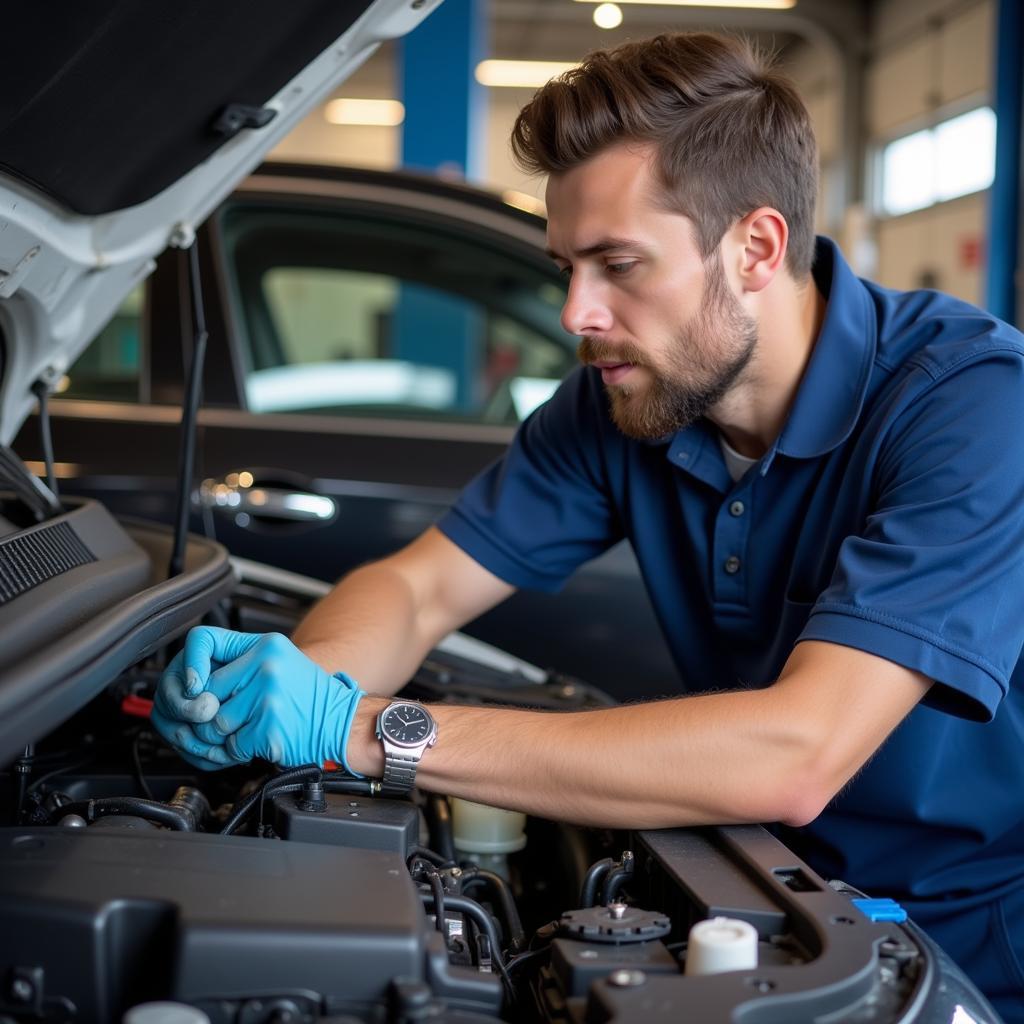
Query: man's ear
x=758 y=243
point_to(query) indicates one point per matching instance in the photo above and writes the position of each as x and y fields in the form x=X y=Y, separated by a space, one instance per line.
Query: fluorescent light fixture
x=383 y=113
x=522 y=74
x=757 y=5
x=608 y=16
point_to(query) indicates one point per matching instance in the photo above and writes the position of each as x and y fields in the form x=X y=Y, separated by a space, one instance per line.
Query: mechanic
x=823 y=481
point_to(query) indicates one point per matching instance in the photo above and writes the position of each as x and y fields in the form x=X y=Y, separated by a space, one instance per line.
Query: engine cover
x=97 y=920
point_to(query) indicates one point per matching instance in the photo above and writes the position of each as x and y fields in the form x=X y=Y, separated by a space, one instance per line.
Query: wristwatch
x=406 y=729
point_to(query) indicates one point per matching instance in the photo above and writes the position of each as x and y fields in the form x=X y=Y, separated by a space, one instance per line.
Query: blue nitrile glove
x=275 y=703
x=175 y=716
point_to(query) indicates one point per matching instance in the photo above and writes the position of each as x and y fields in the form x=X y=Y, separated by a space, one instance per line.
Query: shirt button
x=732 y=565
x=737 y=508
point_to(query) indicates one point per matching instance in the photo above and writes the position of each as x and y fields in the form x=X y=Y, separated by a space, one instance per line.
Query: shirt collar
x=831 y=395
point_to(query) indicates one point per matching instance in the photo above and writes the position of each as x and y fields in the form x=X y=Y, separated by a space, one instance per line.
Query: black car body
x=133 y=887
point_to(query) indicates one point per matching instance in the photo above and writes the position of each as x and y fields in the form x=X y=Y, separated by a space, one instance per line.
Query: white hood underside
x=63 y=275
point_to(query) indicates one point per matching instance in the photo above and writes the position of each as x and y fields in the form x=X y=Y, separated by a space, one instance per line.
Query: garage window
x=952 y=158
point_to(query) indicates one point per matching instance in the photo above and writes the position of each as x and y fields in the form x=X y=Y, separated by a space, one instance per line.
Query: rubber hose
x=437 y=889
x=597 y=871
x=480 y=917
x=151 y=810
x=429 y=855
x=240 y=813
x=613 y=882
x=441 y=834
x=355 y=787
x=509 y=910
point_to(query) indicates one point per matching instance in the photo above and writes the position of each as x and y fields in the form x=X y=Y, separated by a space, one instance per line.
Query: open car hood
x=122 y=125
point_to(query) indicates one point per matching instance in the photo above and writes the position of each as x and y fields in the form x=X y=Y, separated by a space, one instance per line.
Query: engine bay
x=130 y=882
x=136 y=888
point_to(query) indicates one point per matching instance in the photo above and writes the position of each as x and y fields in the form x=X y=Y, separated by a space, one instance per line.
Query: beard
x=706 y=358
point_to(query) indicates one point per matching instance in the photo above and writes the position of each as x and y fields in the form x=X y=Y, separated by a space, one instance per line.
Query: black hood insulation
x=134 y=95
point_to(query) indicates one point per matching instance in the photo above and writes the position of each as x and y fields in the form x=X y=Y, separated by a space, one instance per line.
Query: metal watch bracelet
x=399 y=771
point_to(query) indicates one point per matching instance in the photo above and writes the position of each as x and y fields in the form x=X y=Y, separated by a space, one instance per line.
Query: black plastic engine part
x=616 y=923
x=689 y=877
x=107 y=918
x=575 y=965
x=818 y=954
x=113 y=821
x=361 y=823
x=69 y=635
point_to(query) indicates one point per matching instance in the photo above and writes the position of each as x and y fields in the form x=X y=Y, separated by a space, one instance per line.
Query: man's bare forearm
x=369 y=627
x=722 y=758
x=773 y=754
x=381 y=621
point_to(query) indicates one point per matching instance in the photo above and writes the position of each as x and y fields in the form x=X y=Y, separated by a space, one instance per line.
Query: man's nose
x=585 y=311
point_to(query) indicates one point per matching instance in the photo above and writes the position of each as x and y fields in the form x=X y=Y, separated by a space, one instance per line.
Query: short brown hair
x=731 y=132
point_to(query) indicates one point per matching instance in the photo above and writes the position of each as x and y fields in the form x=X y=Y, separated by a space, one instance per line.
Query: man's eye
x=565 y=271
x=619 y=269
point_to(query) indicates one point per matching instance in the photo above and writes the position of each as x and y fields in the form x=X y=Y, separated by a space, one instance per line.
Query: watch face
x=407 y=724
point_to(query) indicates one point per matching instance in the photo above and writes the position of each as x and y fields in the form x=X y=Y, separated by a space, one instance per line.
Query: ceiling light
x=385 y=113
x=764 y=5
x=519 y=73
x=608 y=16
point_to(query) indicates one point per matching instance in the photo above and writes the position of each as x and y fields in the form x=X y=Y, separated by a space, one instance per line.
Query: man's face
x=663 y=326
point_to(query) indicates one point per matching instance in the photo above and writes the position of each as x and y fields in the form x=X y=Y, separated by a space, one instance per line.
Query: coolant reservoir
x=487 y=834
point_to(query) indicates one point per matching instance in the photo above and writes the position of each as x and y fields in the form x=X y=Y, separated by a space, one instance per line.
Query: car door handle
x=264 y=502
x=296 y=506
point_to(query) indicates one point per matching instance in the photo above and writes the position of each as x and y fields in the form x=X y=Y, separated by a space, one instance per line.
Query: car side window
x=381 y=317
x=108 y=370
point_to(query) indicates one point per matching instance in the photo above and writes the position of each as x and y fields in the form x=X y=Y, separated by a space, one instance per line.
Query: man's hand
x=176 y=712
x=235 y=696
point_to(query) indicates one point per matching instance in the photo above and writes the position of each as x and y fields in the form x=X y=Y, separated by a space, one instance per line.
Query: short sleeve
x=935 y=580
x=545 y=507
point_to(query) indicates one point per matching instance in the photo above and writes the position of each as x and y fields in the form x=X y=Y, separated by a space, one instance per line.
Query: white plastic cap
x=721 y=944
x=165 y=1013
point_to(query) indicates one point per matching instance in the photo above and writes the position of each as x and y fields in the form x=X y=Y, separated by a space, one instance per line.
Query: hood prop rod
x=41 y=389
x=29 y=489
x=189 y=413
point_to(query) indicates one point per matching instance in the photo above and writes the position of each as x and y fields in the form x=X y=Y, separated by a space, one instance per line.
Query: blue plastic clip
x=881 y=910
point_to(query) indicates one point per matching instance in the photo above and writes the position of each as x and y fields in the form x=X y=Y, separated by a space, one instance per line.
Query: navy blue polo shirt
x=888 y=516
